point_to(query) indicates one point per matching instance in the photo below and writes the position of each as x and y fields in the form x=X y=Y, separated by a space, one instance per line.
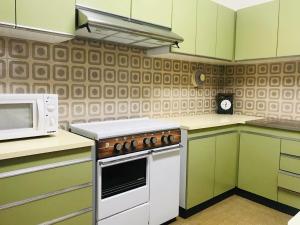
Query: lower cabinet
x=201 y=166
x=226 y=162
x=212 y=167
x=259 y=164
x=51 y=188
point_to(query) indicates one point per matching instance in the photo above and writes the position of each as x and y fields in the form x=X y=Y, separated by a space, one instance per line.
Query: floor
x=236 y=210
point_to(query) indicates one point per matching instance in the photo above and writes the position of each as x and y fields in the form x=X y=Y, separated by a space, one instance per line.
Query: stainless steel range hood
x=97 y=25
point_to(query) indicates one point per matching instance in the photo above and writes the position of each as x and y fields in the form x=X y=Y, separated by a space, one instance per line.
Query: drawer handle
x=287 y=190
x=44 y=196
x=289 y=174
x=66 y=217
x=43 y=167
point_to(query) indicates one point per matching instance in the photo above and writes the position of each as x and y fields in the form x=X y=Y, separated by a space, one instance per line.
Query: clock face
x=225 y=104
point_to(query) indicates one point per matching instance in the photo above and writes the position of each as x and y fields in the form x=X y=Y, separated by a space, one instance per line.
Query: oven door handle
x=123 y=159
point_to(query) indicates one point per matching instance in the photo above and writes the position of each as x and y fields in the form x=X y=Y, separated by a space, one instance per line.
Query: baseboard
x=185 y=213
x=267 y=202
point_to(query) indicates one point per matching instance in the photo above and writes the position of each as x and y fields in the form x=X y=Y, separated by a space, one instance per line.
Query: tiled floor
x=236 y=211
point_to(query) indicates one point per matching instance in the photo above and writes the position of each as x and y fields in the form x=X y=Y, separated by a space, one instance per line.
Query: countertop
x=209 y=120
x=289 y=125
x=62 y=140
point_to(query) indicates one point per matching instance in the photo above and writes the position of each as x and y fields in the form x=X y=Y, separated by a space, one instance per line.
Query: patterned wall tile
x=18 y=70
x=18 y=49
x=40 y=51
x=60 y=53
x=41 y=71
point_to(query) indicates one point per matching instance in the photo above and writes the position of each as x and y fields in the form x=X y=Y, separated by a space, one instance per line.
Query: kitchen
x=110 y=64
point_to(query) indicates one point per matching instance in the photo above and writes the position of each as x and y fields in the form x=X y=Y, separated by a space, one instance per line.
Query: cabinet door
x=206 y=28
x=259 y=165
x=288 y=31
x=155 y=11
x=256 y=31
x=225 y=33
x=226 y=162
x=117 y=7
x=55 y=15
x=200 y=171
x=184 y=24
x=164 y=166
x=7 y=12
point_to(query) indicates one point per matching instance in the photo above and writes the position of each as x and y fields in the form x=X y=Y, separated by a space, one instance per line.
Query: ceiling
x=239 y=4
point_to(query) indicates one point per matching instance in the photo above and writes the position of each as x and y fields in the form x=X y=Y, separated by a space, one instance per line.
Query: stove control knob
x=134 y=144
x=164 y=140
x=147 y=141
x=153 y=140
x=118 y=147
x=127 y=146
x=171 y=138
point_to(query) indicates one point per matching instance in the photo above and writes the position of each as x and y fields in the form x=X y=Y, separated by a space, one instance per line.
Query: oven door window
x=16 y=116
x=123 y=177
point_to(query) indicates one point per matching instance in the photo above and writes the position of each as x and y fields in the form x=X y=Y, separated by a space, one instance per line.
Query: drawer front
x=47 y=209
x=289 y=198
x=83 y=219
x=44 y=159
x=44 y=181
x=290 y=147
x=290 y=164
x=289 y=181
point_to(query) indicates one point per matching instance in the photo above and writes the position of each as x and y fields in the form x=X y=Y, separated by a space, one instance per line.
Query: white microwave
x=28 y=115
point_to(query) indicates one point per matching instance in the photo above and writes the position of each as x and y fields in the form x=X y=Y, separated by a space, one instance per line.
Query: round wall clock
x=225 y=103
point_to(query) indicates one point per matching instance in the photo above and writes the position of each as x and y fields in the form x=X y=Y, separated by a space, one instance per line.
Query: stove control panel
x=139 y=142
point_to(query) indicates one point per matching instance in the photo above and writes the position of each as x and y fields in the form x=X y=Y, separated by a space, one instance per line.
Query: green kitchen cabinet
x=259 y=164
x=226 y=162
x=7 y=12
x=200 y=171
x=55 y=16
x=256 y=31
x=45 y=187
x=206 y=28
x=155 y=11
x=288 y=31
x=116 y=7
x=225 y=33
x=184 y=19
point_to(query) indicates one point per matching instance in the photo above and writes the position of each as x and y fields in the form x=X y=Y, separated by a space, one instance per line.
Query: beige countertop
x=209 y=120
x=62 y=140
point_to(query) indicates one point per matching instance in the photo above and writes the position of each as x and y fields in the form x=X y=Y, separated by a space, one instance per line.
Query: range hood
x=101 y=26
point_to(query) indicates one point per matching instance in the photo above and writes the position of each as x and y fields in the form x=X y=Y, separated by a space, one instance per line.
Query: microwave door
x=18 y=118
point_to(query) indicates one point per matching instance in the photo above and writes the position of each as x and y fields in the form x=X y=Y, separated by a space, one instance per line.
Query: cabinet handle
x=43 y=167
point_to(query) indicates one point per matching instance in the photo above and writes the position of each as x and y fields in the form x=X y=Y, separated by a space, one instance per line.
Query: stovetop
x=117 y=128
x=121 y=137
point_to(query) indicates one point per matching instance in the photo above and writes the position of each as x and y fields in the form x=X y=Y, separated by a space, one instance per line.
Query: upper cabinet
x=54 y=16
x=155 y=11
x=256 y=31
x=116 y=7
x=225 y=33
x=288 y=31
x=184 y=18
x=206 y=35
x=7 y=12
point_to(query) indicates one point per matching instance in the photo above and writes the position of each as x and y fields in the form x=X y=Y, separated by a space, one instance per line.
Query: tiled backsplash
x=266 y=89
x=97 y=81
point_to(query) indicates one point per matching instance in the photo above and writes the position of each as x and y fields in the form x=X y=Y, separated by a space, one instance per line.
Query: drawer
x=289 y=181
x=289 y=198
x=83 y=219
x=290 y=164
x=20 y=187
x=290 y=147
x=47 y=209
x=44 y=159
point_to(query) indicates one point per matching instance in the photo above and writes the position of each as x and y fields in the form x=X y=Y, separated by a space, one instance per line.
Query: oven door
x=123 y=183
x=20 y=117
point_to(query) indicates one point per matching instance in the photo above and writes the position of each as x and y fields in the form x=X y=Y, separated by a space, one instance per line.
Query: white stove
x=137 y=170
